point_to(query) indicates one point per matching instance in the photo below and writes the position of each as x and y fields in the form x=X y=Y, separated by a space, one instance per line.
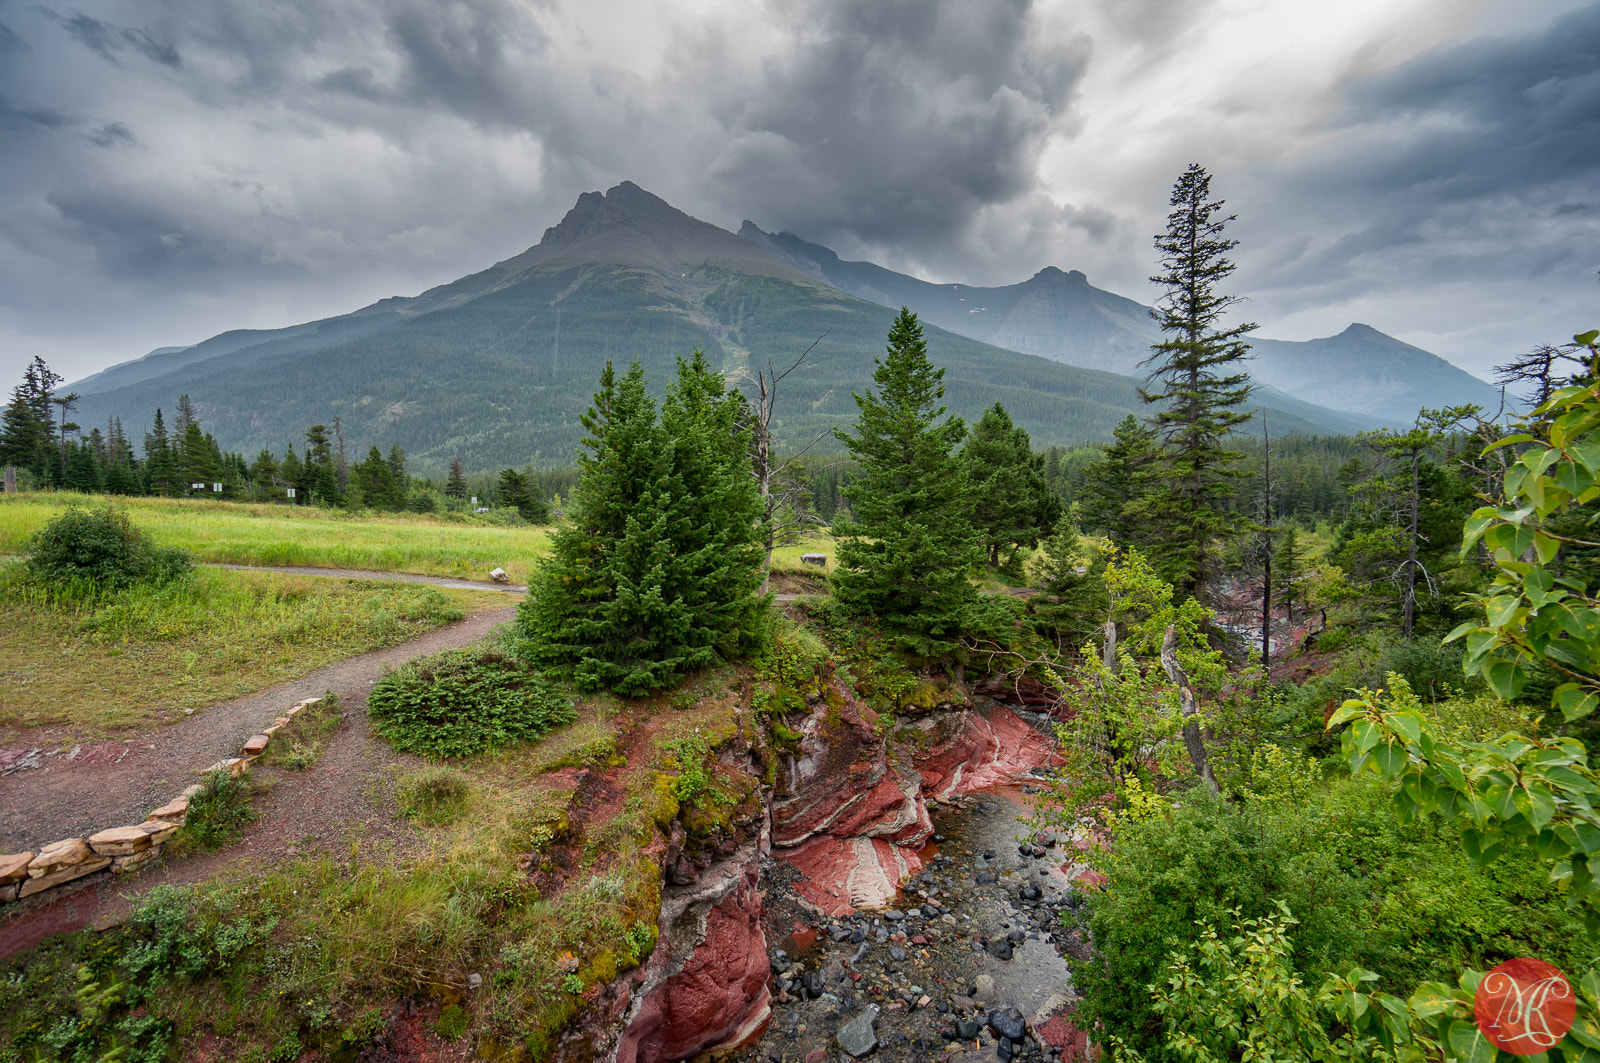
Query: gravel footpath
x=76 y=790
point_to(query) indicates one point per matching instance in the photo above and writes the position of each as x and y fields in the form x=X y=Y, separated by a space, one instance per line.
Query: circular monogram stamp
x=1524 y=1006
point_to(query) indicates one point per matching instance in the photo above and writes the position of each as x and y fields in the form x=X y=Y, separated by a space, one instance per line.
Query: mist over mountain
x=497 y=366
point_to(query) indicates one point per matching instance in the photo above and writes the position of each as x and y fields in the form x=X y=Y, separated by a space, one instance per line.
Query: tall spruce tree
x=906 y=552
x=1196 y=376
x=1013 y=507
x=658 y=573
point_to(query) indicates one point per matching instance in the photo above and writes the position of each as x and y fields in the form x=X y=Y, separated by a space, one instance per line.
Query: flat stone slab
x=57 y=855
x=176 y=809
x=256 y=745
x=66 y=874
x=14 y=867
x=120 y=841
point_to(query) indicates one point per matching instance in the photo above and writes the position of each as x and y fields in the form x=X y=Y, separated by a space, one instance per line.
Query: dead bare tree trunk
x=1189 y=708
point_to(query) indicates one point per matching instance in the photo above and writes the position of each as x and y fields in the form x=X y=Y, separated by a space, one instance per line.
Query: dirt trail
x=387 y=577
x=107 y=784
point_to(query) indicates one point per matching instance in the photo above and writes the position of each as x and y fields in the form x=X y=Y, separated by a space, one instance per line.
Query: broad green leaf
x=1366 y=734
x=1469 y=1044
x=1432 y=998
x=1505 y=678
x=1574 y=701
x=1407 y=724
x=1391 y=759
x=1349 y=710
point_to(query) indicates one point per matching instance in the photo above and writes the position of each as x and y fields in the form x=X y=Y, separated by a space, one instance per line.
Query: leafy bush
x=462 y=702
x=99 y=550
x=217 y=814
x=1401 y=900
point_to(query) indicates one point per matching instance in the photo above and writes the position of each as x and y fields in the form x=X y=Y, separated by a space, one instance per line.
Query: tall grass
x=257 y=534
x=142 y=655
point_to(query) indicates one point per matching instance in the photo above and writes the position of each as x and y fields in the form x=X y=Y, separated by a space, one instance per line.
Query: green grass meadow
x=140 y=657
x=246 y=534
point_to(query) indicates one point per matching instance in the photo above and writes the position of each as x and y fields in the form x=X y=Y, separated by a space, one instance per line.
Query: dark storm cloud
x=896 y=123
x=1436 y=162
x=106 y=40
x=112 y=135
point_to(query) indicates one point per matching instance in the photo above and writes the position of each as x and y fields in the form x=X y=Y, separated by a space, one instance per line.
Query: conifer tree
x=456 y=485
x=1197 y=378
x=1123 y=475
x=27 y=425
x=160 y=462
x=516 y=491
x=906 y=552
x=398 y=476
x=1013 y=507
x=657 y=575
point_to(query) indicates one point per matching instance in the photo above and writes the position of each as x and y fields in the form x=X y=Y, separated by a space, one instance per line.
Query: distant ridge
x=1061 y=316
x=497 y=366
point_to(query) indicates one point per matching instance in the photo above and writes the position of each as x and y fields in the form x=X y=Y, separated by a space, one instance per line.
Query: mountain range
x=497 y=366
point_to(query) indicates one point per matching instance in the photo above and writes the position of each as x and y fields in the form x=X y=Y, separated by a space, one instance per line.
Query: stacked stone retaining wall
x=122 y=849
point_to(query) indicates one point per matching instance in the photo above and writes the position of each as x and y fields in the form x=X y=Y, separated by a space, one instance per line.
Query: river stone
x=983 y=988
x=858 y=1036
x=1008 y=1023
x=967 y=1029
x=999 y=948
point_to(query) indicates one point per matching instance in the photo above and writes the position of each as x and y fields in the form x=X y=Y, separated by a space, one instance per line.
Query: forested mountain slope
x=497 y=366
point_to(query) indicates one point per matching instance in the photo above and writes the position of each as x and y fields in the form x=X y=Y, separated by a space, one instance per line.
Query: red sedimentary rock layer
x=852 y=819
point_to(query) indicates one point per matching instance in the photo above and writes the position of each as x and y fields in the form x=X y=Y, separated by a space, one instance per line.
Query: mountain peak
x=1071 y=276
x=622 y=206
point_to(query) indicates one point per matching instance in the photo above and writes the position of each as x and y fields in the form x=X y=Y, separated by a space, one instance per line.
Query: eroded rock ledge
x=848 y=808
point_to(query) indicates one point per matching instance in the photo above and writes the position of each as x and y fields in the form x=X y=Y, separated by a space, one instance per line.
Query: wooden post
x=11 y=480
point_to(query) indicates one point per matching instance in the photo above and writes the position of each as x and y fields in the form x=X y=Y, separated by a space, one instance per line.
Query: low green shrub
x=217 y=815
x=88 y=551
x=463 y=702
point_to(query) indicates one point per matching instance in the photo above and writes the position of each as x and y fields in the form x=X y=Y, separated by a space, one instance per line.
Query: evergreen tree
x=319 y=478
x=456 y=485
x=1013 y=505
x=1122 y=476
x=1197 y=379
x=717 y=512
x=905 y=555
x=398 y=477
x=81 y=470
x=516 y=491
x=657 y=574
x=27 y=425
x=1074 y=602
x=292 y=473
x=202 y=460
x=161 y=464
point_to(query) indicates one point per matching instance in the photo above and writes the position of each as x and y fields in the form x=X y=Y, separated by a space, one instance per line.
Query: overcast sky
x=173 y=168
